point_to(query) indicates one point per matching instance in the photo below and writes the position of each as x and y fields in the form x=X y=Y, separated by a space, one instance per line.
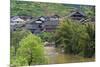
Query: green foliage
x=45 y=9
x=89 y=41
x=30 y=51
x=16 y=38
x=76 y=38
x=15 y=62
x=89 y=11
x=46 y=36
x=35 y=9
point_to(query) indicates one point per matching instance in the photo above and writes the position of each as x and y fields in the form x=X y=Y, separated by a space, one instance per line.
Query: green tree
x=46 y=36
x=88 y=48
x=16 y=37
x=76 y=38
x=30 y=51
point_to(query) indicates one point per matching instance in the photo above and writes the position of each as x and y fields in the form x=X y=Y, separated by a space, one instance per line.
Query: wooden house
x=43 y=23
x=18 y=21
x=35 y=26
x=51 y=24
x=77 y=15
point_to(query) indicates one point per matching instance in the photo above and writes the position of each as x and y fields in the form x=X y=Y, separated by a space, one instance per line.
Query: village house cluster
x=42 y=23
x=35 y=25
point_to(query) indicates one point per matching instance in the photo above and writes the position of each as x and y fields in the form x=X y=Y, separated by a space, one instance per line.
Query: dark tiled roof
x=22 y=17
x=76 y=12
x=51 y=23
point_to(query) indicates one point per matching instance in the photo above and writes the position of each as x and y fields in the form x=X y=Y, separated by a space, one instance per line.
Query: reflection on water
x=55 y=57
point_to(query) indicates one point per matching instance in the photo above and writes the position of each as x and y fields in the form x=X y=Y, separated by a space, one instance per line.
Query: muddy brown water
x=55 y=57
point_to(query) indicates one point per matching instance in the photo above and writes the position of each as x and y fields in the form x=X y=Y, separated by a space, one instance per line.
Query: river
x=55 y=57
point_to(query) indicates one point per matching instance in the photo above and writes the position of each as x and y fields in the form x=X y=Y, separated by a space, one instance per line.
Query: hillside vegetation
x=43 y=9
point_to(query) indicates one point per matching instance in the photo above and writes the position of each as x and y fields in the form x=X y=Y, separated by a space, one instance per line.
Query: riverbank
x=55 y=57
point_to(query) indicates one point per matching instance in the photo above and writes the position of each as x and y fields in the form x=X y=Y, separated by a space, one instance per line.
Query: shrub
x=46 y=36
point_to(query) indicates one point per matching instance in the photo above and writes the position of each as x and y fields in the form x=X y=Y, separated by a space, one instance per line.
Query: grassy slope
x=38 y=9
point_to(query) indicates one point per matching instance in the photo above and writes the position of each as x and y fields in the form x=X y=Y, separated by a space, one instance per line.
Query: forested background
x=42 y=9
